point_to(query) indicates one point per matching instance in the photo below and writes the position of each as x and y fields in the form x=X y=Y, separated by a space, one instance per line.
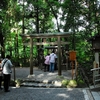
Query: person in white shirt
x=6 y=66
x=53 y=58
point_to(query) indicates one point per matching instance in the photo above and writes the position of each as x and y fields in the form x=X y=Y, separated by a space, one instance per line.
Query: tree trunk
x=2 y=48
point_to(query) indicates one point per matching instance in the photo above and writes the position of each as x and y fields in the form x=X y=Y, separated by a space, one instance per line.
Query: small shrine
x=59 y=43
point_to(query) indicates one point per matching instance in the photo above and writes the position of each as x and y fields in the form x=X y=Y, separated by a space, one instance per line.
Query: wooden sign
x=72 y=55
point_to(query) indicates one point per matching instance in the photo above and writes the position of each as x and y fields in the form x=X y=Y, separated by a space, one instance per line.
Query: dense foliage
x=43 y=16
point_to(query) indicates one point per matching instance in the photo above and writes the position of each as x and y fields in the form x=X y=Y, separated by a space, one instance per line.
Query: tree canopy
x=82 y=17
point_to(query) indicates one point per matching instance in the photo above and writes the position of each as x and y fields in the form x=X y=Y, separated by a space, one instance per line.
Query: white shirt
x=7 y=66
x=53 y=57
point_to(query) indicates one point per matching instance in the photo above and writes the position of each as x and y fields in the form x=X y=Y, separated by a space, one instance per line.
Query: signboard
x=72 y=55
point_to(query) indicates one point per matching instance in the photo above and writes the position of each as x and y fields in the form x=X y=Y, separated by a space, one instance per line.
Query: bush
x=65 y=82
x=18 y=81
x=72 y=83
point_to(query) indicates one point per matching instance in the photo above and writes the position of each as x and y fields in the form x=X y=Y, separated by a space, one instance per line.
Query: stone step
x=38 y=81
x=43 y=83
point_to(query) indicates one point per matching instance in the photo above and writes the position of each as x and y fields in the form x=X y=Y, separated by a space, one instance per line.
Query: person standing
x=53 y=58
x=46 y=63
x=6 y=68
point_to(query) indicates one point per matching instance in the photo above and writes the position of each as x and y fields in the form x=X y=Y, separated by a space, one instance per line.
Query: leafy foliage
x=43 y=16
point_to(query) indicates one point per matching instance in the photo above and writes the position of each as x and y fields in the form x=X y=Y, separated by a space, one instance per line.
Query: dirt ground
x=24 y=72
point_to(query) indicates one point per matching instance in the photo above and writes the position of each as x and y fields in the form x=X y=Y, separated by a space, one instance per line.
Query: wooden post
x=59 y=56
x=76 y=67
x=14 y=73
x=31 y=56
x=72 y=69
x=72 y=57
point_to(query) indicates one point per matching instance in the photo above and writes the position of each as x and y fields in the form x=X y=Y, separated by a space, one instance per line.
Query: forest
x=81 y=17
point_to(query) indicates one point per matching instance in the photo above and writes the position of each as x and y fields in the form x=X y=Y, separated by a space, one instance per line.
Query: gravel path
x=42 y=94
x=39 y=74
x=31 y=93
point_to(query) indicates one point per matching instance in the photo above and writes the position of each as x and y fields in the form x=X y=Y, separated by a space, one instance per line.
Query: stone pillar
x=97 y=58
x=95 y=65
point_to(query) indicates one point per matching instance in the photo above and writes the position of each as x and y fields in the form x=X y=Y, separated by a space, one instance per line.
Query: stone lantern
x=96 y=48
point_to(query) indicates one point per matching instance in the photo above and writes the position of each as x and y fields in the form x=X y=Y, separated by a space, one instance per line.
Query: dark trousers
x=0 y=81
x=46 y=67
x=6 y=81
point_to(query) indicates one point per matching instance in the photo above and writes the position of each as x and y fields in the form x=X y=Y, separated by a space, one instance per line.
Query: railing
x=96 y=75
x=83 y=75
